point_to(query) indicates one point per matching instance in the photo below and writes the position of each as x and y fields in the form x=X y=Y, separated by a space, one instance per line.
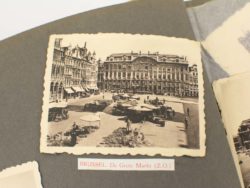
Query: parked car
x=98 y=105
x=116 y=97
x=58 y=114
x=97 y=92
x=159 y=120
x=85 y=95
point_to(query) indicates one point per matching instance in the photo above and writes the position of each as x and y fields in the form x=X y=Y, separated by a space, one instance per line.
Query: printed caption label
x=126 y=164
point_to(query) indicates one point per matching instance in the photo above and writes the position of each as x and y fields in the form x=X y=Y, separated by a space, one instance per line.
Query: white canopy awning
x=140 y=109
x=77 y=88
x=93 y=87
x=149 y=106
x=69 y=90
x=90 y=118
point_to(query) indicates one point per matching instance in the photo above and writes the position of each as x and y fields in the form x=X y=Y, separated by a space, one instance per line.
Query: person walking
x=73 y=134
x=186 y=123
x=188 y=112
x=128 y=125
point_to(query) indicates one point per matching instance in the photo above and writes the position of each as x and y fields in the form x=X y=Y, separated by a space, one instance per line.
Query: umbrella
x=135 y=97
x=126 y=105
x=90 y=118
x=138 y=108
x=125 y=95
x=149 y=106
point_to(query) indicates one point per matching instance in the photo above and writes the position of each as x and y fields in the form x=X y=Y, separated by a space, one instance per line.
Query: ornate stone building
x=74 y=70
x=150 y=73
x=100 y=79
x=57 y=73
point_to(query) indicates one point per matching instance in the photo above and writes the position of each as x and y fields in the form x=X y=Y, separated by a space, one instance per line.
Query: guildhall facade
x=74 y=70
x=149 y=73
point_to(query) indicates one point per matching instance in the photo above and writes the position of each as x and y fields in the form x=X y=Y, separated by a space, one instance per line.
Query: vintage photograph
x=123 y=94
x=229 y=44
x=245 y=41
x=26 y=175
x=232 y=95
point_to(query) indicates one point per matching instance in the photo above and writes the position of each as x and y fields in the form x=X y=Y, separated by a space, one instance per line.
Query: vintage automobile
x=168 y=112
x=116 y=97
x=98 y=105
x=159 y=120
x=155 y=102
x=96 y=92
x=58 y=114
x=84 y=95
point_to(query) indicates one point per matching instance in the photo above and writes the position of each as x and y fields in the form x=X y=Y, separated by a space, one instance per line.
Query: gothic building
x=74 y=70
x=149 y=73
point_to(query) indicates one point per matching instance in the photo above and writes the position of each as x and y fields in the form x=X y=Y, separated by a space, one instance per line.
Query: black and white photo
x=122 y=93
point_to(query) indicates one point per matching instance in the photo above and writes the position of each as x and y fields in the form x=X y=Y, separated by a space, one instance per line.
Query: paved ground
x=109 y=123
x=172 y=135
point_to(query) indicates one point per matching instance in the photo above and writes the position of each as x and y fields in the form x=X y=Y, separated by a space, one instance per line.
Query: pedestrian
x=188 y=111
x=128 y=125
x=186 y=122
x=103 y=96
x=156 y=101
x=73 y=134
